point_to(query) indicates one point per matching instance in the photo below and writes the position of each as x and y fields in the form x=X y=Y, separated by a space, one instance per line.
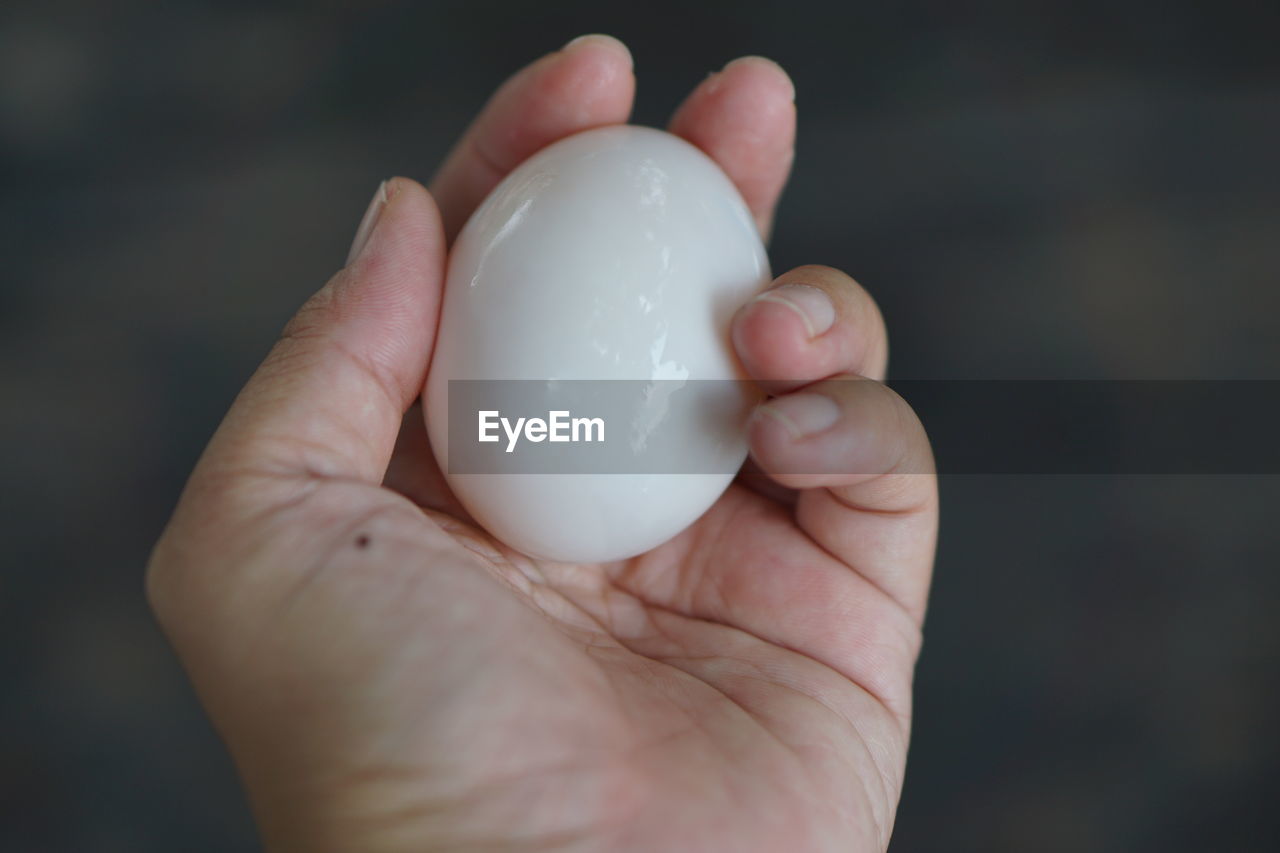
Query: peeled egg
x=619 y=253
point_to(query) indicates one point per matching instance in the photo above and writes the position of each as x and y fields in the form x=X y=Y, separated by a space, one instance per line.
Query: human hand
x=388 y=677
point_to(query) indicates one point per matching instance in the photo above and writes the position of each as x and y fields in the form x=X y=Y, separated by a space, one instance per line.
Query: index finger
x=744 y=117
x=587 y=83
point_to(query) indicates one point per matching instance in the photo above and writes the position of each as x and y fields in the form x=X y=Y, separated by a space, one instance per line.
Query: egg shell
x=617 y=253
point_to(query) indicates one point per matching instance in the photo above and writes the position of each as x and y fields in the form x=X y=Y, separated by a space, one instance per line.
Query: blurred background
x=1079 y=190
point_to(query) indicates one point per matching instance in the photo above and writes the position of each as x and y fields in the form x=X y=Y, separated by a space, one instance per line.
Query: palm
x=656 y=698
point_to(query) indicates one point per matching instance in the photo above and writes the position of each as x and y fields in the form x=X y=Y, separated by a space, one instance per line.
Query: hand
x=388 y=677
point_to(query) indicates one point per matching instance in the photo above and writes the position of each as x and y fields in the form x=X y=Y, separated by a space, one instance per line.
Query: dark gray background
x=1032 y=190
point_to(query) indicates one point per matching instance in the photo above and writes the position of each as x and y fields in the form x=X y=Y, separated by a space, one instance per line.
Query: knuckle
x=869 y=336
x=316 y=314
x=914 y=451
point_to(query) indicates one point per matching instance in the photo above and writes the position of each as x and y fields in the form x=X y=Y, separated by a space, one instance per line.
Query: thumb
x=329 y=397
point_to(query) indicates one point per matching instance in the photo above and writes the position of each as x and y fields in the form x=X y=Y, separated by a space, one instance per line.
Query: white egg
x=619 y=253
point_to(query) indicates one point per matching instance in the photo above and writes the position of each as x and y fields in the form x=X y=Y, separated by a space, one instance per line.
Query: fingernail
x=804 y=415
x=368 y=223
x=598 y=38
x=811 y=303
x=764 y=60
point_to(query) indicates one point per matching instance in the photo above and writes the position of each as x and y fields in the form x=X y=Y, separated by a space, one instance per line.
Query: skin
x=388 y=677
